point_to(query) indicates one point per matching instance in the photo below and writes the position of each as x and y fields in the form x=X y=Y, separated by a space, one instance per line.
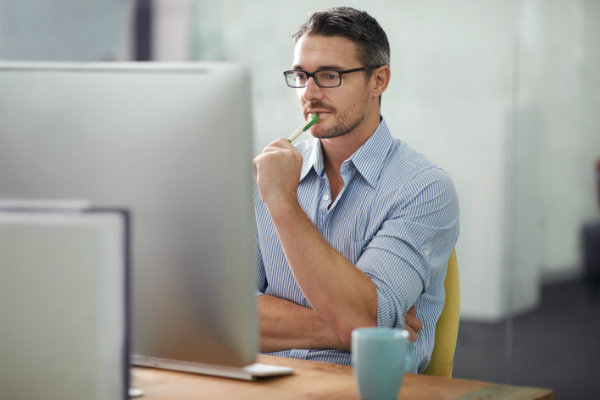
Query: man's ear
x=380 y=78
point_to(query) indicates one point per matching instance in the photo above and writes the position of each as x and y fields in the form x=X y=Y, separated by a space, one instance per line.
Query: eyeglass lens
x=323 y=78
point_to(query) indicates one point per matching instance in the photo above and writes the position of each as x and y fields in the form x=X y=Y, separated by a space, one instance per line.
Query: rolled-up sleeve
x=412 y=245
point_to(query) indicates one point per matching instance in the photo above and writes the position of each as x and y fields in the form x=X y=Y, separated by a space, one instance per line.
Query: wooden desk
x=315 y=380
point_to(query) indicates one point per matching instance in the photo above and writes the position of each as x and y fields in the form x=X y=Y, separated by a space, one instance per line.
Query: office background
x=504 y=95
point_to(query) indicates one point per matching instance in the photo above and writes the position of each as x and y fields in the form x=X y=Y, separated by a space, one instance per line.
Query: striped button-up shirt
x=396 y=219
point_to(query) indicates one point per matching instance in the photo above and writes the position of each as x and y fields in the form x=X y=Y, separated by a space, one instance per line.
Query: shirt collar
x=314 y=161
x=368 y=159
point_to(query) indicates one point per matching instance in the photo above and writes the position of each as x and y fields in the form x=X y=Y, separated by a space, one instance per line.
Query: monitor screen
x=172 y=143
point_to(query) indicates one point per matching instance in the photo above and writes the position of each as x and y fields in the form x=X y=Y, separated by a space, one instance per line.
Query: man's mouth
x=318 y=109
x=321 y=112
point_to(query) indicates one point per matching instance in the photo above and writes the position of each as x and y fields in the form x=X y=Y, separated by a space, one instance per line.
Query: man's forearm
x=285 y=325
x=341 y=294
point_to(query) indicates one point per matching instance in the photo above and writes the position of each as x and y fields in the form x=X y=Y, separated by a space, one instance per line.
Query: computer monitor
x=63 y=302
x=172 y=143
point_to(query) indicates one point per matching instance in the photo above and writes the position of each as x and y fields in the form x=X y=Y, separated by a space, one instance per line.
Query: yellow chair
x=446 y=330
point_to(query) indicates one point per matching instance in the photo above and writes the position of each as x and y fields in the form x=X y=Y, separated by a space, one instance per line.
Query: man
x=354 y=227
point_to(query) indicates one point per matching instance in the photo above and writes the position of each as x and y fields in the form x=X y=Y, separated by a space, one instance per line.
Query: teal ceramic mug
x=380 y=358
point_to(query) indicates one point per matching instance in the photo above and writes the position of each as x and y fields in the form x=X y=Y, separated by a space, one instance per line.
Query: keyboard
x=250 y=372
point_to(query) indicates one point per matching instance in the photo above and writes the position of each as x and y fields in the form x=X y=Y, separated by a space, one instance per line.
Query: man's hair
x=355 y=25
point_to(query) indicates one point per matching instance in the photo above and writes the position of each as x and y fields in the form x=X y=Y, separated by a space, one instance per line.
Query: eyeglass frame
x=313 y=75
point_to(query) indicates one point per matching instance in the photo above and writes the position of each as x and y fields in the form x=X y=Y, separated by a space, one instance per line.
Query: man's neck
x=339 y=149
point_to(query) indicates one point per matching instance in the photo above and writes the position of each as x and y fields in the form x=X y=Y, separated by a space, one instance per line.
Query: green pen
x=307 y=124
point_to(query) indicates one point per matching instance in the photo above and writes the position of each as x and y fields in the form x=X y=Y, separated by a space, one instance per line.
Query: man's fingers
x=278 y=144
x=412 y=335
x=412 y=324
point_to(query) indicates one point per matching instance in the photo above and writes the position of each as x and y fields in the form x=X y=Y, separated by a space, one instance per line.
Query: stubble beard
x=345 y=122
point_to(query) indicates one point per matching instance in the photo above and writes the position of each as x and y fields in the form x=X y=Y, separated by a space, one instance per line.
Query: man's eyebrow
x=320 y=68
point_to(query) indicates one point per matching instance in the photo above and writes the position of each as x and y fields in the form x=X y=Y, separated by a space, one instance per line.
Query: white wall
x=501 y=94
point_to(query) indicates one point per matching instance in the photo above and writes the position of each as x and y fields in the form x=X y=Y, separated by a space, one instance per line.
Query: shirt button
x=326 y=197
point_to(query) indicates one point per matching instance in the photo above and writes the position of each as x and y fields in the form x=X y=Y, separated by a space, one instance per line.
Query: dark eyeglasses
x=325 y=78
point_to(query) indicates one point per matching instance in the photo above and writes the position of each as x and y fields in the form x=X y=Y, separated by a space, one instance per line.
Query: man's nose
x=312 y=90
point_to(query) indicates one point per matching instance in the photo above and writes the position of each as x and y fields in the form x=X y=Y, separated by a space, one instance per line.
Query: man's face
x=341 y=109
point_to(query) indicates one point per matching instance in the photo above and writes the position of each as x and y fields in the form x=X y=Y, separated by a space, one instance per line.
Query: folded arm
x=286 y=325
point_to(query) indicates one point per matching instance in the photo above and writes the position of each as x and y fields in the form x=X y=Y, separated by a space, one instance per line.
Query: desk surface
x=315 y=380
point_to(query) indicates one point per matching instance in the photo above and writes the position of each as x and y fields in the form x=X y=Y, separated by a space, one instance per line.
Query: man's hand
x=277 y=173
x=412 y=324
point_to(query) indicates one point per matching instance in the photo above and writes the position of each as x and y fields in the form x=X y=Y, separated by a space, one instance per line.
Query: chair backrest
x=446 y=330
